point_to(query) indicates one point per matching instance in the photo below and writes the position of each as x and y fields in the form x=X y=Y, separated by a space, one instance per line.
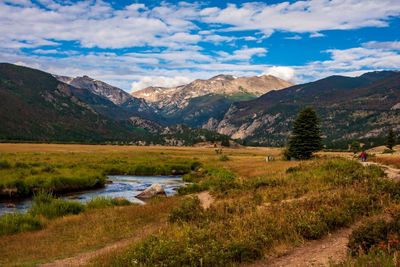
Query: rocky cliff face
x=170 y=100
x=114 y=94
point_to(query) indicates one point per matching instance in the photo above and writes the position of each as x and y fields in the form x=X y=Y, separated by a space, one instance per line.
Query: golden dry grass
x=388 y=159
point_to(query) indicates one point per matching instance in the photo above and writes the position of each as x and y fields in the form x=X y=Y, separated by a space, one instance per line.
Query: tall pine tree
x=306 y=135
x=391 y=139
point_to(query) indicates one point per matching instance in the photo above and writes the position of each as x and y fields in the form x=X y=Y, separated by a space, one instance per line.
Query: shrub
x=195 y=165
x=220 y=180
x=312 y=228
x=262 y=182
x=368 y=235
x=189 y=210
x=345 y=172
x=46 y=205
x=388 y=151
x=245 y=250
x=103 y=202
x=192 y=188
x=183 y=247
x=17 y=222
x=293 y=169
x=4 y=164
x=21 y=165
x=223 y=158
x=120 y=201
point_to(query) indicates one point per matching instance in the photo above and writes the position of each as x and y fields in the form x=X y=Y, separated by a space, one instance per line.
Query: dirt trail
x=84 y=258
x=330 y=249
x=205 y=199
x=322 y=252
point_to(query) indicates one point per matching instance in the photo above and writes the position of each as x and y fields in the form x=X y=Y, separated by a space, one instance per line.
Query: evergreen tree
x=391 y=139
x=306 y=135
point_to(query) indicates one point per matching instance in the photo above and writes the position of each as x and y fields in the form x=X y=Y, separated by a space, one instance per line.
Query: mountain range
x=38 y=106
x=195 y=103
x=350 y=108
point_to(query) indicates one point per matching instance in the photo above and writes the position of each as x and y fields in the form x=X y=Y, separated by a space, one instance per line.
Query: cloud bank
x=166 y=44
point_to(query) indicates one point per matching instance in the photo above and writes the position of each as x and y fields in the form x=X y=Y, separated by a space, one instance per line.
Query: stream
x=122 y=186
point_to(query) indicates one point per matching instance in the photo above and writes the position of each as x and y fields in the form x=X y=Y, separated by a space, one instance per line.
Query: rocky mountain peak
x=112 y=93
x=174 y=98
x=222 y=77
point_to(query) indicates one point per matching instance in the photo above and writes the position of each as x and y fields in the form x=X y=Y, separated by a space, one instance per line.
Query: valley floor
x=239 y=209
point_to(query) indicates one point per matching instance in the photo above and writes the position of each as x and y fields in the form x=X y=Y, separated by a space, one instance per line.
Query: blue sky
x=135 y=44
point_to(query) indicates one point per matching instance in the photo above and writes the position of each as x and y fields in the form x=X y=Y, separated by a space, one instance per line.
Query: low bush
x=17 y=222
x=192 y=188
x=196 y=165
x=103 y=202
x=388 y=151
x=46 y=205
x=223 y=158
x=21 y=165
x=4 y=164
x=189 y=210
x=220 y=180
x=378 y=258
x=345 y=172
x=263 y=182
x=368 y=235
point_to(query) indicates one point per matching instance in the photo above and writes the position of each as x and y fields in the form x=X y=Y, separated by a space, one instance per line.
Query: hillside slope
x=34 y=106
x=360 y=108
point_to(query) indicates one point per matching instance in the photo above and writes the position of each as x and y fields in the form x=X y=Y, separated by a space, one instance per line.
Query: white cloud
x=169 y=40
x=306 y=16
x=316 y=35
x=98 y=24
x=294 y=37
x=352 y=61
x=383 y=45
x=243 y=54
x=159 y=81
x=284 y=73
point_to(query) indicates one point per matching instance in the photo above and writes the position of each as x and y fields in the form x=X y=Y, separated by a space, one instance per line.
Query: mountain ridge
x=172 y=98
x=350 y=108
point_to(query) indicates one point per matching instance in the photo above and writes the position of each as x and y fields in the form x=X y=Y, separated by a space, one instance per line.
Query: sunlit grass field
x=261 y=209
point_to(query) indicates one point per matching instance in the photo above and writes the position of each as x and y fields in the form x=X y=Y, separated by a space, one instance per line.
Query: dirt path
x=322 y=252
x=205 y=199
x=84 y=258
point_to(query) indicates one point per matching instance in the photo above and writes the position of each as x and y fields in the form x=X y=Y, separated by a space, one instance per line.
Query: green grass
x=46 y=205
x=15 y=223
x=103 y=202
x=23 y=174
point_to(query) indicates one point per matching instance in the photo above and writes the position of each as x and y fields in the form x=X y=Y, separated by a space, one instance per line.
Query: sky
x=135 y=44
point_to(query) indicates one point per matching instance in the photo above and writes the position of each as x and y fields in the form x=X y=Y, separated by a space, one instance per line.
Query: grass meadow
x=261 y=210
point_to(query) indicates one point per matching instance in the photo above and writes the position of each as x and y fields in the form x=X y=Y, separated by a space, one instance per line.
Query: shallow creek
x=121 y=186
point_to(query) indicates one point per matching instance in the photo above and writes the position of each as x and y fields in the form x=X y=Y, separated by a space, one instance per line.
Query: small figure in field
x=363 y=156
